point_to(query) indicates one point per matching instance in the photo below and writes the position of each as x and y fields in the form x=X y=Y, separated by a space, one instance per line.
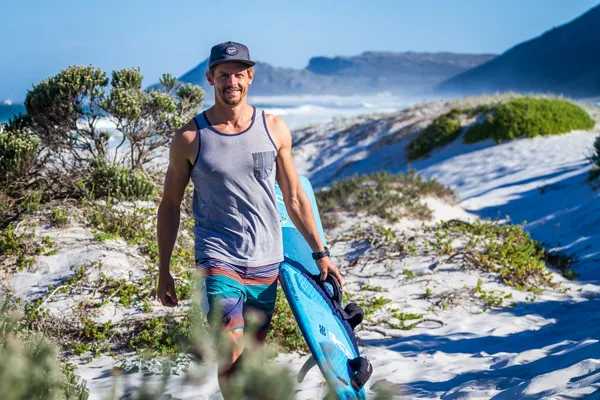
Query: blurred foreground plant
x=258 y=377
x=29 y=368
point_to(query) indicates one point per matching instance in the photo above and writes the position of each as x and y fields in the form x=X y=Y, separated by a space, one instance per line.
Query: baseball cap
x=228 y=52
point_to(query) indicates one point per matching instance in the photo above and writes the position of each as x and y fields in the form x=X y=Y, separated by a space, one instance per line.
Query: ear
x=250 y=76
x=210 y=78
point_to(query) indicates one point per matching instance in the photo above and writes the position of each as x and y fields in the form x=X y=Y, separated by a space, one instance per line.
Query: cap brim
x=248 y=63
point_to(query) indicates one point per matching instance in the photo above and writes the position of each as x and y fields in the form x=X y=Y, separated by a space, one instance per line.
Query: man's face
x=231 y=81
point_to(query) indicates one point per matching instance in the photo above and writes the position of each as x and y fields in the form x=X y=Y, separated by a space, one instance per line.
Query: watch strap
x=321 y=254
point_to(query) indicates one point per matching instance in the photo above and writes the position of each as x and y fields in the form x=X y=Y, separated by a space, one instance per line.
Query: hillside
x=370 y=72
x=563 y=60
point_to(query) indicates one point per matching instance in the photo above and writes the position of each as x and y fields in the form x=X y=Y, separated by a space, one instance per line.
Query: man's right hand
x=166 y=290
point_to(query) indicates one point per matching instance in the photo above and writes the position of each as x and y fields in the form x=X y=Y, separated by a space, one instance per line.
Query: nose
x=232 y=80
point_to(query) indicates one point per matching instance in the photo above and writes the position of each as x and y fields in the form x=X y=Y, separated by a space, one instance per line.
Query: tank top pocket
x=263 y=164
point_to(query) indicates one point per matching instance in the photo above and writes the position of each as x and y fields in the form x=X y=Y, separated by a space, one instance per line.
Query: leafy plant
x=111 y=180
x=65 y=110
x=370 y=288
x=111 y=220
x=505 y=249
x=490 y=298
x=18 y=156
x=403 y=317
x=164 y=335
x=373 y=305
x=20 y=246
x=442 y=131
x=389 y=196
x=529 y=117
x=59 y=216
x=501 y=121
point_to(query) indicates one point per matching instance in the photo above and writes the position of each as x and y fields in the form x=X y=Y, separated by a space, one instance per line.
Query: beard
x=233 y=100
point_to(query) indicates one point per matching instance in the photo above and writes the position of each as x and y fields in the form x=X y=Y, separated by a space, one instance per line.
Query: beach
x=523 y=346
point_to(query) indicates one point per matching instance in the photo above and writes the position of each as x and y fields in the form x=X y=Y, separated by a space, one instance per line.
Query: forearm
x=167 y=227
x=301 y=213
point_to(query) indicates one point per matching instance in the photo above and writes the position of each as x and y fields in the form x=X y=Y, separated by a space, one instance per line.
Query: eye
x=239 y=75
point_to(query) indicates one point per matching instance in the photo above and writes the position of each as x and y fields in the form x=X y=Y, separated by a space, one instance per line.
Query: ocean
x=8 y=111
x=299 y=111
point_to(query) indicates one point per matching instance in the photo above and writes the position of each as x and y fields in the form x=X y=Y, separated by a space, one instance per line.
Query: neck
x=231 y=115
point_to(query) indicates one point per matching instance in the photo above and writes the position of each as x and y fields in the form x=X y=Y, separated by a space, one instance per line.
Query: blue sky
x=39 y=38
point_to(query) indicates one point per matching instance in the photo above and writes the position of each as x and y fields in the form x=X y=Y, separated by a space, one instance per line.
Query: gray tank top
x=234 y=204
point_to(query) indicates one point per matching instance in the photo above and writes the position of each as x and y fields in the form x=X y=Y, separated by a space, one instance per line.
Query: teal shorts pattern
x=235 y=291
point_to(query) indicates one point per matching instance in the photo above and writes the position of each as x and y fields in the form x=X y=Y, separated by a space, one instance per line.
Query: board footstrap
x=363 y=370
x=352 y=313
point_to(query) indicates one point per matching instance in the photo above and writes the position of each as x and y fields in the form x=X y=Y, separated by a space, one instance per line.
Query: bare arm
x=176 y=179
x=296 y=201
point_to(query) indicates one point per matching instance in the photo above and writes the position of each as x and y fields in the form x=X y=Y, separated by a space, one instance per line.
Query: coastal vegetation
x=528 y=117
x=389 y=196
x=501 y=121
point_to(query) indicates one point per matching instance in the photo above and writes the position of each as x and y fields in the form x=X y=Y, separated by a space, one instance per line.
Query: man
x=233 y=153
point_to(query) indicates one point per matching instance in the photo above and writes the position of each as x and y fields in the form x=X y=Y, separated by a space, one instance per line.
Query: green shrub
x=507 y=250
x=562 y=262
x=371 y=306
x=111 y=180
x=163 y=335
x=403 y=317
x=442 y=131
x=114 y=222
x=18 y=155
x=480 y=109
x=21 y=246
x=490 y=298
x=65 y=110
x=389 y=196
x=529 y=117
x=59 y=216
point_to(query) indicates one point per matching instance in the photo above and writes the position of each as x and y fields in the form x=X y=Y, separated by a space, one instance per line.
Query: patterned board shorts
x=238 y=290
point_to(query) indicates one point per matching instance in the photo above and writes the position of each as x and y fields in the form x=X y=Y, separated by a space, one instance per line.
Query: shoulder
x=279 y=129
x=184 y=141
x=275 y=123
x=187 y=133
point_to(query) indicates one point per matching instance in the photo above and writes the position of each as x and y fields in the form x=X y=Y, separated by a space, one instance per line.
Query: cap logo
x=231 y=50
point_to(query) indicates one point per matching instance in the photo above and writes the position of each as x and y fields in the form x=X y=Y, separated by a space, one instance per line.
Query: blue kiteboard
x=330 y=340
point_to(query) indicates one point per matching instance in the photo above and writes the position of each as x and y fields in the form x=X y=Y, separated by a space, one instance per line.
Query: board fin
x=308 y=365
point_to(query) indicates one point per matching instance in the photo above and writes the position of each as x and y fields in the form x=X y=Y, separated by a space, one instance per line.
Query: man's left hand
x=326 y=266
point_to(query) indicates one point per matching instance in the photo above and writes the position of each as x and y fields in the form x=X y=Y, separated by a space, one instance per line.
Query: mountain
x=563 y=60
x=369 y=72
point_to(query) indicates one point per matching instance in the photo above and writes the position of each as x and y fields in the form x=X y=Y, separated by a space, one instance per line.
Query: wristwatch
x=320 y=254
